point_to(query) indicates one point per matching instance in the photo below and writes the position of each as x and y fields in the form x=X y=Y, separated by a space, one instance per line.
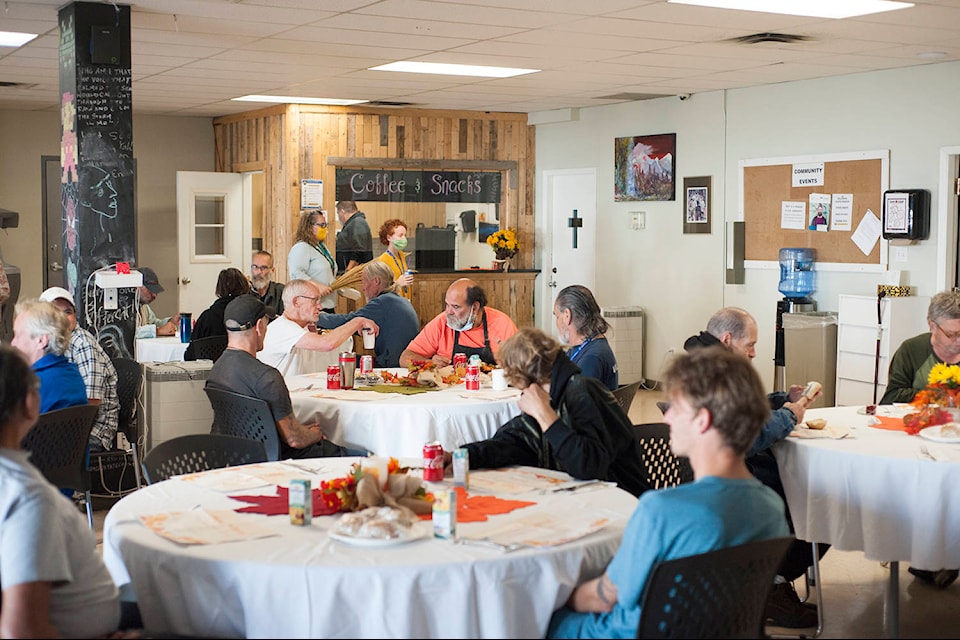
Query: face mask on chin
x=400 y=243
x=466 y=326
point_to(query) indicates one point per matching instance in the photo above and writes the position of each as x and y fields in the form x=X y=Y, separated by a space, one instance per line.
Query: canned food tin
x=366 y=365
x=333 y=376
x=472 y=381
x=433 y=462
x=460 y=363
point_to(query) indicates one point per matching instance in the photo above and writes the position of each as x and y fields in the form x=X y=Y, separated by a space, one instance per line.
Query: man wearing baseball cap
x=239 y=371
x=148 y=293
x=96 y=369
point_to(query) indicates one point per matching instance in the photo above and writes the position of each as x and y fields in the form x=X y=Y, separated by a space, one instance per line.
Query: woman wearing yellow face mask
x=393 y=233
x=309 y=258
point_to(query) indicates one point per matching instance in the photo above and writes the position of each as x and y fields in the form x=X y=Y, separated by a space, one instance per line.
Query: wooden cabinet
x=901 y=318
x=511 y=292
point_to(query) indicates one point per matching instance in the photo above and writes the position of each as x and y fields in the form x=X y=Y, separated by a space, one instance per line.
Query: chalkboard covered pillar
x=97 y=167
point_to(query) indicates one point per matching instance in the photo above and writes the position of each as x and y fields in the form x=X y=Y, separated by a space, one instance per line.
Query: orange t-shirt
x=436 y=338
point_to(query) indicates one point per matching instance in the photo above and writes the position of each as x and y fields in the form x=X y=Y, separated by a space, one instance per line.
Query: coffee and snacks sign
x=406 y=185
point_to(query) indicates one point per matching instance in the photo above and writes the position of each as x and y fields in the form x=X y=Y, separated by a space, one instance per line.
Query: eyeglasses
x=322 y=225
x=310 y=298
x=257 y=267
x=949 y=335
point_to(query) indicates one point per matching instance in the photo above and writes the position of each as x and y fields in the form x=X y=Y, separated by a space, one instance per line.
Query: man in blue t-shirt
x=717 y=406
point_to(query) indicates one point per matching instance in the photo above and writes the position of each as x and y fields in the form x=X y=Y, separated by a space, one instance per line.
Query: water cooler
x=797 y=282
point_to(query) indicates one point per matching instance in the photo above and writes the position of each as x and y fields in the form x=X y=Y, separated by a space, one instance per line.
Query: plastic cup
x=369 y=339
x=498 y=380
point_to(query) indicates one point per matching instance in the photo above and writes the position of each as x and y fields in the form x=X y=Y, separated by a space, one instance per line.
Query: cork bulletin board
x=765 y=184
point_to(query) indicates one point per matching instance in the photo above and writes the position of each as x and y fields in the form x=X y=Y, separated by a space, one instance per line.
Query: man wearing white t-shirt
x=288 y=335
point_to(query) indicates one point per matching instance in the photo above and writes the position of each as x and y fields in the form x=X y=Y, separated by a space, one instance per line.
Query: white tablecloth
x=163 y=349
x=399 y=425
x=303 y=584
x=874 y=491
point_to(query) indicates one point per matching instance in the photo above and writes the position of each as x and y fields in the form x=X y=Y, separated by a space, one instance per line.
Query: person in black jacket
x=570 y=422
x=230 y=284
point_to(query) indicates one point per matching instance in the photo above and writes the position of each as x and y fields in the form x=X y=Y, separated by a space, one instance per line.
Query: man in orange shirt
x=467 y=325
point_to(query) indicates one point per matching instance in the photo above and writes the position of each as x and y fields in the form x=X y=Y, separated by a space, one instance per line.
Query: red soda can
x=472 y=381
x=366 y=365
x=333 y=376
x=433 y=462
x=459 y=363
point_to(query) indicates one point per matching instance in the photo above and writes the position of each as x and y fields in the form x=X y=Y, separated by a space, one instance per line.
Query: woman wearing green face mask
x=393 y=234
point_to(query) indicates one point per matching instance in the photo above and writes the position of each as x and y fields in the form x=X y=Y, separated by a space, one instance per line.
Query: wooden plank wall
x=295 y=141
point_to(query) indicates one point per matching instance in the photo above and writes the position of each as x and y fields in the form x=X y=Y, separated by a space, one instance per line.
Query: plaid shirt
x=100 y=378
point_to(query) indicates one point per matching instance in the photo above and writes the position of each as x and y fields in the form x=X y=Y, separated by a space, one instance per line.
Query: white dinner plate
x=416 y=533
x=933 y=433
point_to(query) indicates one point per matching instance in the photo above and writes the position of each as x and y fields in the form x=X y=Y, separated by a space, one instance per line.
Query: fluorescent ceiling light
x=15 y=39
x=295 y=100
x=813 y=8
x=442 y=69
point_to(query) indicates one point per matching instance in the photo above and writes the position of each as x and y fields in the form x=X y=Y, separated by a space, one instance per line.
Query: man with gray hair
x=911 y=364
x=735 y=330
x=288 y=336
x=42 y=334
x=910 y=370
x=582 y=328
x=395 y=314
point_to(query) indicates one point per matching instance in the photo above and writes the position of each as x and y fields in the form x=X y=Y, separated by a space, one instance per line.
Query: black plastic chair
x=199 y=452
x=663 y=467
x=208 y=348
x=625 y=394
x=129 y=383
x=58 y=448
x=235 y=414
x=718 y=594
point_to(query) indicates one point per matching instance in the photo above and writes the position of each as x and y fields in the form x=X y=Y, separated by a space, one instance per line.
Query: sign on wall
x=405 y=185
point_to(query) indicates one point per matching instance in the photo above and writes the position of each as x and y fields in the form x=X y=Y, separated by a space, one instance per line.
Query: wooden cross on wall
x=575 y=223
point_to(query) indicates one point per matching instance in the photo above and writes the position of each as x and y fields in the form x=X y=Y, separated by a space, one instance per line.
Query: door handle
x=552 y=283
x=56 y=266
x=184 y=280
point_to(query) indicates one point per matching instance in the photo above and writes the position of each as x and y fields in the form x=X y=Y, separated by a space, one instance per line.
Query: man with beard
x=269 y=292
x=467 y=325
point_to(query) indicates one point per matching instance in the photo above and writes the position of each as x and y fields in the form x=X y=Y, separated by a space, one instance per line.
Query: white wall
x=161 y=145
x=679 y=279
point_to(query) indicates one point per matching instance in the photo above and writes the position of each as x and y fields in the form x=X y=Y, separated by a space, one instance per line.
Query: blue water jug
x=797 y=277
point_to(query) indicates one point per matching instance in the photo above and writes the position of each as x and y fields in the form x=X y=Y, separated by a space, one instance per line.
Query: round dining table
x=250 y=575
x=864 y=484
x=160 y=349
x=395 y=424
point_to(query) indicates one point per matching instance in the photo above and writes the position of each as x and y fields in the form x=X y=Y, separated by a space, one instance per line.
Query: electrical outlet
x=110 y=299
x=900 y=254
x=638 y=220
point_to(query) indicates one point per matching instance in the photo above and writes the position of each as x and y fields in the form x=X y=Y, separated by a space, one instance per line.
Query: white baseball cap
x=54 y=293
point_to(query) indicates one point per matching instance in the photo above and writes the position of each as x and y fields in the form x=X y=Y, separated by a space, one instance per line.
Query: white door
x=565 y=191
x=210 y=232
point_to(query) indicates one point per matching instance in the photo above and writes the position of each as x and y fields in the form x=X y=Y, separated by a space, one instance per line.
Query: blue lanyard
x=576 y=351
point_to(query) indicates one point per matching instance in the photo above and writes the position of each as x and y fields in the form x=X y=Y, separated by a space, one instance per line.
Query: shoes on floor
x=940 y=579
x=784 y=608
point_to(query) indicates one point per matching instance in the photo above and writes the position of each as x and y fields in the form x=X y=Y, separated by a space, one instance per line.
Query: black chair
x=243 y=416
x=129 y=382
x=58 y=448
x=208 y=348
x=625 y=394
x=663 y=467
x=199 y=452
x=718 y=594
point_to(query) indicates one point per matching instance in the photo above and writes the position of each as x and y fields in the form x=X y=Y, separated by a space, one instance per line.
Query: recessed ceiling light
x=439 y=68
x=813 y=8
x=340 y=102
x=15 y=39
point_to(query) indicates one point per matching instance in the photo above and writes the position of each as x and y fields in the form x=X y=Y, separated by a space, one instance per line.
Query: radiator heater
x=174 y=401
x=626 y=340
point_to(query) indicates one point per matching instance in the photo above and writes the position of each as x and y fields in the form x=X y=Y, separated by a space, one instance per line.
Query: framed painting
x=644 y=167
x=696 y=205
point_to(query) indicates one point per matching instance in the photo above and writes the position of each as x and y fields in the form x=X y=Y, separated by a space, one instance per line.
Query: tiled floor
x=853 y=587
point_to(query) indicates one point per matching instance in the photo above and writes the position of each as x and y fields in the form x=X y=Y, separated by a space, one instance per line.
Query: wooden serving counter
x=509 y=291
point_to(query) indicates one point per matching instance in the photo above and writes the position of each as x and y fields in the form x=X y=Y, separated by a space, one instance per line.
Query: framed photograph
x=644 y=167
x=696 y=205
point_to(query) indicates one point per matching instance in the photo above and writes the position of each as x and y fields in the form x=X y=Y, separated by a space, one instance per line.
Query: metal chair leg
x=89 y=505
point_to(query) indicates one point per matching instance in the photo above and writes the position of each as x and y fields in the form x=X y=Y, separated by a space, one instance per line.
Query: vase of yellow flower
x=505 y=245
x=939 y=402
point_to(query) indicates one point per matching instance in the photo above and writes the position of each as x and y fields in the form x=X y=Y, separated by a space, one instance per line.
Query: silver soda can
x=461 y=468
x=366 y=365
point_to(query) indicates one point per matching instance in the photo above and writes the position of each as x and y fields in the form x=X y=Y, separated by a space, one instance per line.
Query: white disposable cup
x=498 y=379
x=369 y=340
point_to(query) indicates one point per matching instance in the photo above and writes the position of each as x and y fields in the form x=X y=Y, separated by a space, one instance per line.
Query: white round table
x=300 y=583
x=391 y=424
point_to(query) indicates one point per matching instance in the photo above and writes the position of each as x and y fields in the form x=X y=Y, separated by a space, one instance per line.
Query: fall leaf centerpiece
x=937 y=403
x=362 y=487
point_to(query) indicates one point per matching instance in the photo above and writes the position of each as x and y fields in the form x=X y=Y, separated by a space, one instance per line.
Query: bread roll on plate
x=816 y=423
